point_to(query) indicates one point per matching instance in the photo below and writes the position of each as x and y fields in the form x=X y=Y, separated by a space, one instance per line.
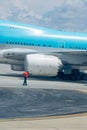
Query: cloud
x=68 y=17
x=65 y=15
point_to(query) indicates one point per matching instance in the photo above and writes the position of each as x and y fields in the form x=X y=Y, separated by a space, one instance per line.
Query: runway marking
x=43 y=118
x=33 y=128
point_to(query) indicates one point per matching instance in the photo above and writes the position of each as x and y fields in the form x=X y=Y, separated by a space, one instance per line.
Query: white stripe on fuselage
x=65 y=37
x=42 y=33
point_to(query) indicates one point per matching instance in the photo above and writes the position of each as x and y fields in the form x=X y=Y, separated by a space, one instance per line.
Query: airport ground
x=13 y=79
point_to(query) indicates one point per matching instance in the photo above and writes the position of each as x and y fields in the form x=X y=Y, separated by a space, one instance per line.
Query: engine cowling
x=42 y=65
x=17 y=67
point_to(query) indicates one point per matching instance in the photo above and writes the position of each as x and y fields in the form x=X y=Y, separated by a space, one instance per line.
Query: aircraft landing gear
x=74 y=76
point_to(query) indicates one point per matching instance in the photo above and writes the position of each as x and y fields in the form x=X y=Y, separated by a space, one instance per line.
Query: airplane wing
x=17 y=53
x=71 y=52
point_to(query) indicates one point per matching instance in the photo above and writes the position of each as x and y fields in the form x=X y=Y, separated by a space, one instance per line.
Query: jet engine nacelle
x=42 y=65
x=17 y=67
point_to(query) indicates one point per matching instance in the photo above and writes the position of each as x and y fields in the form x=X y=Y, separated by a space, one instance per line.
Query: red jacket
x=26 y=74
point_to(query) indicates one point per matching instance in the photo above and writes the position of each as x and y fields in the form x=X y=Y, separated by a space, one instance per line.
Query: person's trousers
x=25 y=81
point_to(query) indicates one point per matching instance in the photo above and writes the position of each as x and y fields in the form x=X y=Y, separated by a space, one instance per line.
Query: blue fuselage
x=27 y=35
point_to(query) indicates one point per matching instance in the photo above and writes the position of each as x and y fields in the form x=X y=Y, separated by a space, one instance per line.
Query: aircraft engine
x=42 y=65
x=17 y=67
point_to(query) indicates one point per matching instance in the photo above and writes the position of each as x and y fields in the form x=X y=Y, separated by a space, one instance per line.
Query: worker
x=25 y=74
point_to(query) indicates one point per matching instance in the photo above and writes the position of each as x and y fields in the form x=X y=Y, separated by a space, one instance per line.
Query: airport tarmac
x=14 y=79
x=11 y=79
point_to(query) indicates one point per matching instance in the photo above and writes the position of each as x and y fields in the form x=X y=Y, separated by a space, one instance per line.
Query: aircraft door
x=61 y=44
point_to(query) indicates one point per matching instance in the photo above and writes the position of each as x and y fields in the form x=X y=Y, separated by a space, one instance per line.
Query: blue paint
x=29 y=35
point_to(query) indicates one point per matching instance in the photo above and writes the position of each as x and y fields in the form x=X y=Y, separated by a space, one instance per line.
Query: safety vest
x=26 y=74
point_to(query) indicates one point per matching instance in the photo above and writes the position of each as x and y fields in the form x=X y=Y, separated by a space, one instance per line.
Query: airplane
x=42 y=51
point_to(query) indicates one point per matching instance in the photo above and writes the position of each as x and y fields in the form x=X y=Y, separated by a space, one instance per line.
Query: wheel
x=74 y=76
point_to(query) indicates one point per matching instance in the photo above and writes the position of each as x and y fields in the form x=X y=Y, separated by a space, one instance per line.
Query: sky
x=66 y=15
